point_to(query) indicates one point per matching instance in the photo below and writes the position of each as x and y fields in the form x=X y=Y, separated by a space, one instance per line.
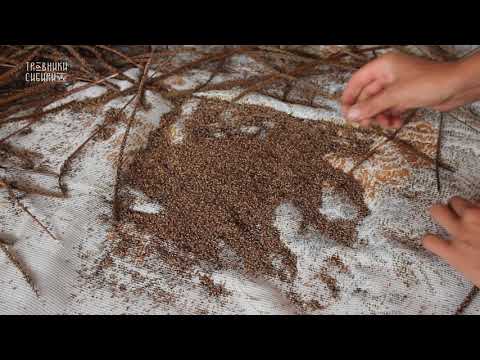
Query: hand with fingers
x=461 y=218
x=384 y=89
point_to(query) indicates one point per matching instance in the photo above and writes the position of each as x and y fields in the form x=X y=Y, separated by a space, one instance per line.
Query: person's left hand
x=461 y=218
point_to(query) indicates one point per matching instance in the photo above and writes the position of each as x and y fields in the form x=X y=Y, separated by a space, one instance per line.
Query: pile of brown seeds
x=221 y=186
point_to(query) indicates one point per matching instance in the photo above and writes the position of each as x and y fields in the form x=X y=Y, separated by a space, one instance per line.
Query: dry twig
x=7 y=76
x=388 y=139
x=467 y=301
x=275 y=77
x=19 y=265
x=37 y=115
x=454 y=117
x=67 y=163
x=120 y=54
x=125 y=137
x=4 y=183
x=439 y=146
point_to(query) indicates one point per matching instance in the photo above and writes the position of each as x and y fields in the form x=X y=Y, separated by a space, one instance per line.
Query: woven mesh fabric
x=388 y=274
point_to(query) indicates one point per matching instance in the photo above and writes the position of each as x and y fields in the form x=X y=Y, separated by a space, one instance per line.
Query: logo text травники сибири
x=46 y=71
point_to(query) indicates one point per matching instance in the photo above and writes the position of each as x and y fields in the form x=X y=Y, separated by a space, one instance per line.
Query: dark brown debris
x=330 y=282
x=215 y=290
x=467 y=301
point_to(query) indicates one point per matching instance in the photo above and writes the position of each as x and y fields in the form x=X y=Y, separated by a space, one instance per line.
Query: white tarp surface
x=384 y=277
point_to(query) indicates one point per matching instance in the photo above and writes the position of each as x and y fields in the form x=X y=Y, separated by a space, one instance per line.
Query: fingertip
x=353 y=114
x=472 y=215
x=435 y=209
x=428 y=240
x=373 y=106
x=436 y=245
x=382 y=120
x=390 y=123
x=397 y=122
x=365 y=123
x=456 y=198
x=359 y=80
x=446 y=217
x=459 y=205
x=348 y=96
x=346 y=99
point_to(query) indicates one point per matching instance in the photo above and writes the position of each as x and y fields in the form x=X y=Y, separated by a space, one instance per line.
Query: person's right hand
x=390 y=85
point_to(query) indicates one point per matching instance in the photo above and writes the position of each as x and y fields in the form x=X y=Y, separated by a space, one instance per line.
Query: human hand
x=462 y=220
x=394 y=83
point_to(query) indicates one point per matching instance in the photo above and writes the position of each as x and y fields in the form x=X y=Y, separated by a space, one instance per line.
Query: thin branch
x=20 y=267
x=409 y=147
x=67 y=163
x=291 y=75
x=56 y=54
x=125 y=137
x=120 y=54
x=81 y=61
x=439 y=146
x=467 y=301
x=85 y=67
x=402 y=49
x=43 y=103
x=214 y=73
x=35 y=190
x=314 y=91
x=299 y=102
x=463 y=122
x=4 y=183
x=28 y=91
x=5 y=118
x=287 y=91
x=20 y=50
x=435 y=52
x=367 y=156
x=183 y=93
x=275 y=77
x=5 y=77
x=26 y=156
x=305 y=56
x=203 y=59
x=471 y=52
x=8 y=61
x=352 y=52
x=388 y=139
x=373 y=49
x=167 y=52
x=18 y=131
x=104 y=63
x=38 y=170
x=37 y=115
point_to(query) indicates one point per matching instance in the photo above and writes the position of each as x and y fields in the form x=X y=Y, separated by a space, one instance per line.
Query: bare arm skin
x=382 y=91
x=461 y=218
x=385 y=88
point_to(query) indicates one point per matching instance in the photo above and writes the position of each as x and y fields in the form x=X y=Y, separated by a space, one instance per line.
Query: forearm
x=466 y=77
x=387 y=87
